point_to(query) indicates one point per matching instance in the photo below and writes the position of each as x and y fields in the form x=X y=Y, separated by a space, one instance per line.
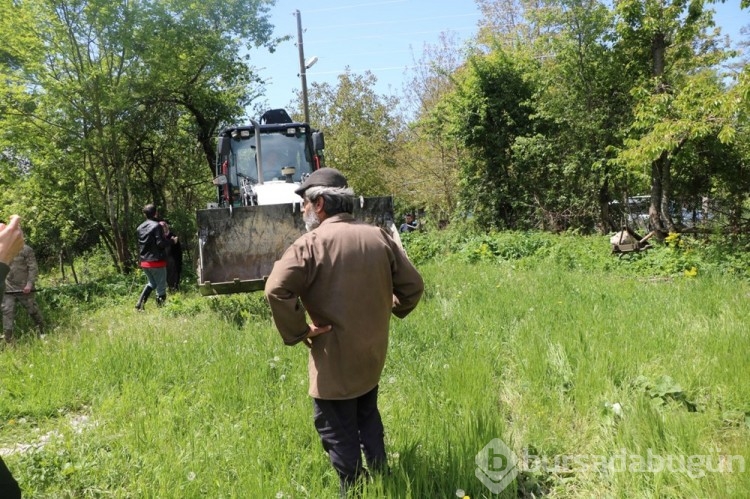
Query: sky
x=382 y=36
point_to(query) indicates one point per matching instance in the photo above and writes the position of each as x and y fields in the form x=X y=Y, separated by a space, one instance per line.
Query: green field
x=602 y=383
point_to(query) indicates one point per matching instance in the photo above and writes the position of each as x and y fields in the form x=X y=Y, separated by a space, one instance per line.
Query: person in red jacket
x=152 y=244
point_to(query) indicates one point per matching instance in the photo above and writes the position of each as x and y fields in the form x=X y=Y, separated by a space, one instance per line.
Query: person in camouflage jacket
x=19 y=288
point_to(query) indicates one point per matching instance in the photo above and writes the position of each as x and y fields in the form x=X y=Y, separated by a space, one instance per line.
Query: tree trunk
x=658 y=49
x=606 y=224
x=61 y=260
x=109 y=245
x=121 y=239
x=206 y=131
x=659 y=167
x=666 y=190
x=654 y=209
x=73 y=271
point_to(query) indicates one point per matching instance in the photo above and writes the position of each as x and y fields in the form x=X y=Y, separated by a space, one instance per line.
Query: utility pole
x=302 y=67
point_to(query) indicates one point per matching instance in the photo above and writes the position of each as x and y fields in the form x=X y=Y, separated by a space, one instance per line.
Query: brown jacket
x=351 y=276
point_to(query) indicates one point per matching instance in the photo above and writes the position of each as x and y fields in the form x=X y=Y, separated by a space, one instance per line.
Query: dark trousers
x=9 y=488
x=347 y=428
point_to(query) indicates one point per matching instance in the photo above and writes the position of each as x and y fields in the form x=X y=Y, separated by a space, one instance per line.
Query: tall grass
x=201 y=398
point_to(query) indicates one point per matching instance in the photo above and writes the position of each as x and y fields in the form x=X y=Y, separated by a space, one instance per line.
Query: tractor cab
x=257 y=214
x=262 y=163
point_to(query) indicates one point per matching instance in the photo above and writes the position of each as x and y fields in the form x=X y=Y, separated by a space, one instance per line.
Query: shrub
x=677 y=255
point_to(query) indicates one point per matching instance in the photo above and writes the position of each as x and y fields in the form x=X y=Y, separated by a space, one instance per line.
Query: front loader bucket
x=238 y=246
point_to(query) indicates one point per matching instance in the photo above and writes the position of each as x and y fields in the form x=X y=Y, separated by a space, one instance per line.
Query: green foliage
x=240 y=309
x=504 y=246
x=104 y=106
x=581 y=106
x=429 y=158
x=680 y=97
x=566 y=106
x=574 y=104
x=663 y=391
x=360 y=129
x=197 y=400
x=485 y=114
x=680 y=255
x=422 y=247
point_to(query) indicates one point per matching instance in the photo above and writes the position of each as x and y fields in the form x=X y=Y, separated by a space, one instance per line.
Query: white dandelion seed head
x=617 y=409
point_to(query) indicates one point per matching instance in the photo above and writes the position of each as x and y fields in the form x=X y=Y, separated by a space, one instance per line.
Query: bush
x=677 y=255
x=239 y=309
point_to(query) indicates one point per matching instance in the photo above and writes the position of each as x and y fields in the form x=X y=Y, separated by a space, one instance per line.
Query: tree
x=678 y=96
x=516 y=25
x=102 y=92
x=486 y=113
x=429 y=163
x=361 y=130
x=581 y=107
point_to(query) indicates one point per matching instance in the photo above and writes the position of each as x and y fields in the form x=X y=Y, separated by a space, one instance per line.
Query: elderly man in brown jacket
x=350 y=277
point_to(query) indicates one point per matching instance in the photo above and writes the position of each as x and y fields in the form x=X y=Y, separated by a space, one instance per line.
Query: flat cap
x=325 y=177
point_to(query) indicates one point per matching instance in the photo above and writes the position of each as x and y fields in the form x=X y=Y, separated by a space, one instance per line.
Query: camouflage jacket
x=23 y=270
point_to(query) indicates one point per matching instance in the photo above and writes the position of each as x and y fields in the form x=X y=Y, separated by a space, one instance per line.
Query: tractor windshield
x=279 y=150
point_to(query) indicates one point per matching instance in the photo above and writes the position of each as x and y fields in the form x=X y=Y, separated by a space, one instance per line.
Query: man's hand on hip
x=314 y=331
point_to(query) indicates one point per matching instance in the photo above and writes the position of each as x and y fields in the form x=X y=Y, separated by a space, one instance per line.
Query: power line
x=387 y=35
x=372 y=70
x=386 y=23
x=344 y=7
